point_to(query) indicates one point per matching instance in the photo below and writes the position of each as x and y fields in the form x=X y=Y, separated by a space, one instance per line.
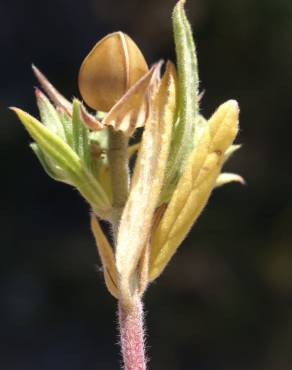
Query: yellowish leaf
x=107 y=257
x=195 y=185
x=146 y=185
x=225 y=178
x=231 y=150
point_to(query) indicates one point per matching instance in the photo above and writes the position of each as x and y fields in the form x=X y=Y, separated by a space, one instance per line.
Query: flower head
x=179 y=158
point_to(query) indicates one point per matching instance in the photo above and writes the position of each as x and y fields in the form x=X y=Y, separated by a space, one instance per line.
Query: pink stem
x=132 y=337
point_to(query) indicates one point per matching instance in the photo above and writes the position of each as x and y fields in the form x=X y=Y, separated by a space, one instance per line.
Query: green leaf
x=184 y=132
x=80 y=135
x=49 y=115
x=43 y=160
x=66 y=121
x=61 y=154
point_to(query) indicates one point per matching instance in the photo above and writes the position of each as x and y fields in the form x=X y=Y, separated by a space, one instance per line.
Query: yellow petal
x=132 y=110
x=146 y=184
x=225 y=178
x=109 y=70
x=107 y=257
x=195 y=185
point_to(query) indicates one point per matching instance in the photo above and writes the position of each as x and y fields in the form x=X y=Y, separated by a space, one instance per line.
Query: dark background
x=225 y=301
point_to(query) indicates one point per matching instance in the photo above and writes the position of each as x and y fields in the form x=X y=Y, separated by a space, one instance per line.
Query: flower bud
x=109 y=70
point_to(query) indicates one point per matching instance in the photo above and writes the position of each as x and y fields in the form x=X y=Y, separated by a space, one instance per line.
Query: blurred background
x=225 y=301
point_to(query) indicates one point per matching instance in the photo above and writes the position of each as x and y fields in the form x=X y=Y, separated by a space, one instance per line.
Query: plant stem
x=132 y=336
x=119 y=172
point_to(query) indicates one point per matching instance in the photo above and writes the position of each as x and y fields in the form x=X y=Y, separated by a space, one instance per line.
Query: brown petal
x=109 y=70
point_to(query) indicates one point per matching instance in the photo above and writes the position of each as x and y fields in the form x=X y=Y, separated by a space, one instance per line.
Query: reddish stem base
x=132 y=337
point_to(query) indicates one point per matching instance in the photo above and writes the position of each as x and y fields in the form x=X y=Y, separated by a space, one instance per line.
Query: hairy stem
x=119 y=171
x=132 y=336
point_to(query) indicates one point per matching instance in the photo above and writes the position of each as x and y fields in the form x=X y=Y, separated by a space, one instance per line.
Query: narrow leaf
x=146 y=185
x=53 y=93
x=231 y=150
x=187 y=66
x=66 y=121
x=49 y=115
x=67 y=159
x=226 y=178
x=80 y=135
x=107 y=257
x=44 y=162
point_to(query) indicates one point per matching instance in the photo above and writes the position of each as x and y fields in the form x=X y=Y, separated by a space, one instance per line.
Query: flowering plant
x=178 y=164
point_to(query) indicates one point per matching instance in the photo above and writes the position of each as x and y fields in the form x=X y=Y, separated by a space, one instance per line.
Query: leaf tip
x=233 y=104
x=17 y=111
